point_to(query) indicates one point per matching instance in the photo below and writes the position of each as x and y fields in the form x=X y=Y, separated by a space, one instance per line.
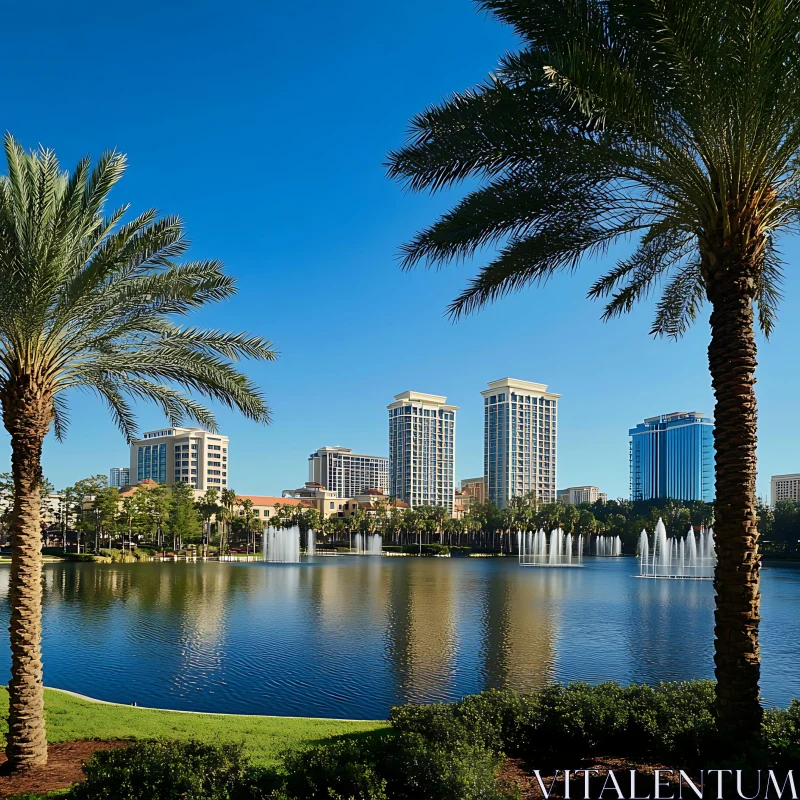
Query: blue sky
x=265 y=127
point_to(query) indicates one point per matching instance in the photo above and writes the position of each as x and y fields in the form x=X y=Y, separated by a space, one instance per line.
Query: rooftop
x=516 y=383
x=421 y=397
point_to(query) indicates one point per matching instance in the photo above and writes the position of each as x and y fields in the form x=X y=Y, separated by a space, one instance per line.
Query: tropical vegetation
x=91 y=302
x=456 y=751
x=671 y=124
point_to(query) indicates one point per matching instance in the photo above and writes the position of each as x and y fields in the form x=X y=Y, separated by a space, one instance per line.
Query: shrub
x=346 y=768
x=140 y=554
x=781 y=734
x=164 y=770
x=458 y=770
x=406 y=765
x=491 y=719
x=426 y=549
x=458 y=550
x=79 y=557
x=672 y=720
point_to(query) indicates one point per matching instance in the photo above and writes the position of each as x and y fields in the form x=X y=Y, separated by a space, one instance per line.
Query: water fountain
x=608 y=546
x=368 y=544
x=556 y=550
x=282 y=545
x=692 y=557
x=311 y=543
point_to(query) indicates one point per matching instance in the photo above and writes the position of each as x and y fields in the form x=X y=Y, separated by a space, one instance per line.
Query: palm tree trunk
x=732 y=361
x=26 y=743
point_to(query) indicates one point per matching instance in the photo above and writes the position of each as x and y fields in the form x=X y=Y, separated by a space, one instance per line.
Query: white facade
x=576 y=495
x=520 y=440
x=119 y=477
x=348 y=474
x=784 y=487
x=181 y=455
x=422 y=449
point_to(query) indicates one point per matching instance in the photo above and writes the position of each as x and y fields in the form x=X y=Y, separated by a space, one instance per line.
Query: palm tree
x=228 y=500
x=87 y=302
x=672 y=122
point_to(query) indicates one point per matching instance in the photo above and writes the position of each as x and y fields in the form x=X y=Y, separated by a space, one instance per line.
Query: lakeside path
x=72 y=717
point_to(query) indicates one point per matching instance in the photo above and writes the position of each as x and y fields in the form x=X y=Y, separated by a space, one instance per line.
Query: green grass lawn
x=264 y=738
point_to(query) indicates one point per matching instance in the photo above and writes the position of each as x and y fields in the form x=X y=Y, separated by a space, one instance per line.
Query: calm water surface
x=350 y=637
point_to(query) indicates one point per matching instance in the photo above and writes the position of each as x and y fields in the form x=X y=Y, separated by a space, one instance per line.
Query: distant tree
x=158 y=505
x=106 y=506
x=183 y=523
x=208 y=506
x=786 y=526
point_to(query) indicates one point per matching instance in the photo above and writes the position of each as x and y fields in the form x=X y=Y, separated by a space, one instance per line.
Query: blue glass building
x=672 y=457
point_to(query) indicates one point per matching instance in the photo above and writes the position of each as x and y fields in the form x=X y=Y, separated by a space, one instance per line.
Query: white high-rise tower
x=520 y=440
x=422 y=449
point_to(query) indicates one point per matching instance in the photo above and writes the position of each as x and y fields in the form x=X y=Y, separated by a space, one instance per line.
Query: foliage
x=780 y=528
x=435 y=550
x=183 y=522
x=347 y=768
x=97 y=300
x=782 y=736
x=406 y=765
x=670 y=722
x=164 y=770
x=448 y=751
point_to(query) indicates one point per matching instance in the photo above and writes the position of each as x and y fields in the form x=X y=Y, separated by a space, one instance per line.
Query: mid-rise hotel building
x=346 y=473
x=672 y=457
x=181 y=455
x=422 y=449
x=784 y=487
x=520 y=440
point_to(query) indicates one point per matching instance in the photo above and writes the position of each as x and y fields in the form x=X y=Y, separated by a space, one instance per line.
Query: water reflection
x=351 y=636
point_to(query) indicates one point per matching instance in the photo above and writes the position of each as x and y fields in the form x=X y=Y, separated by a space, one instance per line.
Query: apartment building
x=181 y=455
x=346 y=473
x=520 y=440
x=422 y=449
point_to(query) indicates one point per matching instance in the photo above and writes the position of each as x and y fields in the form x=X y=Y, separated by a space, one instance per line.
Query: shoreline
x=88 y=699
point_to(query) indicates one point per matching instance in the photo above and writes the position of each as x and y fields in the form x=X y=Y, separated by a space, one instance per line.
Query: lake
x=351 y=636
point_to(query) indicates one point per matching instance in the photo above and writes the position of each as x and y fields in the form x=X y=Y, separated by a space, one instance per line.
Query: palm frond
x=87 y=301
x=680 y=302
x=768 y=293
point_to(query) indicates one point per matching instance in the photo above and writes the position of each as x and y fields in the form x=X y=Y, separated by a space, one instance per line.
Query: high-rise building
x=181 y=455
x=784 y=487
x=119 y=477
x=422 y=449
x=348 y=474
x=520 y=440
x=672 y=457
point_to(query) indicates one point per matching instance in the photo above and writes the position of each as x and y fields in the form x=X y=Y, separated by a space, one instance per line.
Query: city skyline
x=610 y=374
